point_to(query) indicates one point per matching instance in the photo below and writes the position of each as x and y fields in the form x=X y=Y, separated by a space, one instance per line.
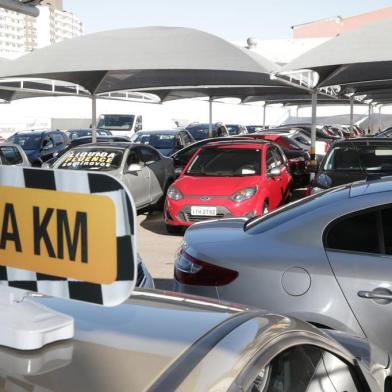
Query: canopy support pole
x=210 y=117
x=313 y=131
x=379 y=118
x=264 y=114
x=351 y=115
x=94 y=118
x=297 y=113
x=370 y=118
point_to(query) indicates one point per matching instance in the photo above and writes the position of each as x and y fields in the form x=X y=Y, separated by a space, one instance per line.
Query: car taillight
x=192 y=271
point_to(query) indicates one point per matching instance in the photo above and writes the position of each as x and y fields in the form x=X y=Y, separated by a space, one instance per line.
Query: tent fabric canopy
x=362 y=55
x=144 y=57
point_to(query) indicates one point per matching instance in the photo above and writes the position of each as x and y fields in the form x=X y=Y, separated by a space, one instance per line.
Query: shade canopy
x=144 y=57
x=353 y=59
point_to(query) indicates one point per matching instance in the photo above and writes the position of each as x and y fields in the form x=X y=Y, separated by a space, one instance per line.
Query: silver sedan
x=326 y=259
x=144 y=171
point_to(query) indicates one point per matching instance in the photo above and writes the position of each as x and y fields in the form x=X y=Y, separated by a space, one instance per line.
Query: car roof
x=372 y=185
x=36 y=132
x=162 y=132
x=131 y=346
x=237 y=144
x=121 y=145
x=364 y=141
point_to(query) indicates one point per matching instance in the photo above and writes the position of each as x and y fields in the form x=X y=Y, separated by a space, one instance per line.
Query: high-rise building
x=20 y=33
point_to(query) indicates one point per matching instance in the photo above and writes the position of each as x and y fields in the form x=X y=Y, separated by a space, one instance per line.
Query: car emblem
x=205 y=198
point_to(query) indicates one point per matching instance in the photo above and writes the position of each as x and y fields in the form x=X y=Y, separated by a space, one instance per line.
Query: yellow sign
x=69 y=235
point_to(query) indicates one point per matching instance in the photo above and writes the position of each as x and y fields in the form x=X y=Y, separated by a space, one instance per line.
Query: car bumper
x=178 y=213
x=204 y=291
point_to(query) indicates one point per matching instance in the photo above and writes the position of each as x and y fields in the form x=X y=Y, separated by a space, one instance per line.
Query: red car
x=228 y=179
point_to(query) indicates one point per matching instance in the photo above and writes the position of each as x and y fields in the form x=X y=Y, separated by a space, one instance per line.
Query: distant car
x=326 y=259
x=228 y=179
x=144 y=279
x=166 y=142
x=40 y=145
x=202 y=131
x=13 y=154
x=182 y=157
x=254 y=128
x=144 y=171
x=322 y=132
x=352 y=160
x=85 y=140
x=82 y=132
x=161 y=341
x=236 y=129
x=297 y=156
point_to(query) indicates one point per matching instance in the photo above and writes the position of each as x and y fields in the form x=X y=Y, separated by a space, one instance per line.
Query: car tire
x=173 y=229
x=265 y=209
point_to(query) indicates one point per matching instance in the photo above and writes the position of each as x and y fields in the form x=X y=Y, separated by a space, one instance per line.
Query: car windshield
x=116 y=121
x=199 y=132
x=226 y=162
x=93 y=158
x=233 y=129
x=160 y=141
x=368 y=158
x=27 y=142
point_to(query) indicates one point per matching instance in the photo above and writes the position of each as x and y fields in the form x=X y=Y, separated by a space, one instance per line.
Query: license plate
x=203 y=211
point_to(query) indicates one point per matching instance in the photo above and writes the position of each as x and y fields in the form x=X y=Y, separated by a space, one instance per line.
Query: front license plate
x=203 y=211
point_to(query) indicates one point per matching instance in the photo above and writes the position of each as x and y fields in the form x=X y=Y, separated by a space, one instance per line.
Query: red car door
x=273 y=188
x=285 y=177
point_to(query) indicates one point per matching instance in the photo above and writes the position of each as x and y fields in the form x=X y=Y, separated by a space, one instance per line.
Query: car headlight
x=174 y=193
x=244 y=194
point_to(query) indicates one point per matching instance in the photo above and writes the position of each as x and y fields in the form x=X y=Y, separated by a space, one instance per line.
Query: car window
x=278 y=156
x=304 y=369
x=132 y=158
x=26 y=141
x=356 y=233
x=47 y=143
x=58 y=139
x=10 y=155
x=148 y=155
x=270 y=160
x=91 y=158
x=226 y=162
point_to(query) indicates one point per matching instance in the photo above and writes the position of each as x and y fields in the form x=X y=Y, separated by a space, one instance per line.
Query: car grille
x=140 y=275
x=195 y=218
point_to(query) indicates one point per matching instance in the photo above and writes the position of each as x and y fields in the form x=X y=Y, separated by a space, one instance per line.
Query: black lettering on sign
x=9 y=230
x=79 y=232
x=41 y=231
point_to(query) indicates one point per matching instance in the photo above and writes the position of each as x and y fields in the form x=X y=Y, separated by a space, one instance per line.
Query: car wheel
x=173 y=229
x=265 y=210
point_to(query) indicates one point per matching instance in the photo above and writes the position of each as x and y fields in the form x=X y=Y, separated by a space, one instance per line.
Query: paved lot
x=157 y=248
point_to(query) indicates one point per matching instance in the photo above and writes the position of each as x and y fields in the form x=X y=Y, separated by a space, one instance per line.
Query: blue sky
x=230 y=19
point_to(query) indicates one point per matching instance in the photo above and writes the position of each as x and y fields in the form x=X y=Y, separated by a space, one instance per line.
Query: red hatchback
x=228 y=179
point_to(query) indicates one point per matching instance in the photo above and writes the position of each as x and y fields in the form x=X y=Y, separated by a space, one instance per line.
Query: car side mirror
x=275 y=172
x=134 y=168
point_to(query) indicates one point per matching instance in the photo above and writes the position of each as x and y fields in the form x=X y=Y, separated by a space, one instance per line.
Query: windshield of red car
x=91 y=159
x=226 y=162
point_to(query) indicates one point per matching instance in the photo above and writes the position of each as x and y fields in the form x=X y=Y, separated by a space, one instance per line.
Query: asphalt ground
x=158 y=248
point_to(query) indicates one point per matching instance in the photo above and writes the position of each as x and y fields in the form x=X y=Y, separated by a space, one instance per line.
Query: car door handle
x=375 y=295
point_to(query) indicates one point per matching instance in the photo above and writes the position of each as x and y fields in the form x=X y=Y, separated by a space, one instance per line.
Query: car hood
x=214 y=186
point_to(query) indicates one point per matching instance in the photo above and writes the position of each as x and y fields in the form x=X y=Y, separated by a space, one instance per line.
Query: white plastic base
x=26 y=325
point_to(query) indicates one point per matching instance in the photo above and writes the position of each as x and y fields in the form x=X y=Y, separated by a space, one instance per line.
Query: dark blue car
x=40 y=145
x=166 y=142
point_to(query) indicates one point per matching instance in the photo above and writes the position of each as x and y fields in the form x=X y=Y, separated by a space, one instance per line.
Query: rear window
x=27 y=142
x=233 y=129
x=10 y=155
x=226 y=162
x=91 y=159
x=199 y=132
x=159 y=141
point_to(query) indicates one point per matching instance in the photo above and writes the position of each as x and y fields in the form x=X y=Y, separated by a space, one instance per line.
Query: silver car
x=158 y=341
x=13 y=154
x=326 y=259
x=145 y=172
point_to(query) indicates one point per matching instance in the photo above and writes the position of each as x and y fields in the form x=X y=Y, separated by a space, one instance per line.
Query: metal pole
x=264 y=114
x=369 y=118
x=313 y=132
x=379 y=118
x=94 y=118
x=351 y=115
x=297 y=113
x=210 y=117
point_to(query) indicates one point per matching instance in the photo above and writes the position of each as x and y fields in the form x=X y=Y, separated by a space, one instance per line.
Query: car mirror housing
x=275 y=172
x=134 y=168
